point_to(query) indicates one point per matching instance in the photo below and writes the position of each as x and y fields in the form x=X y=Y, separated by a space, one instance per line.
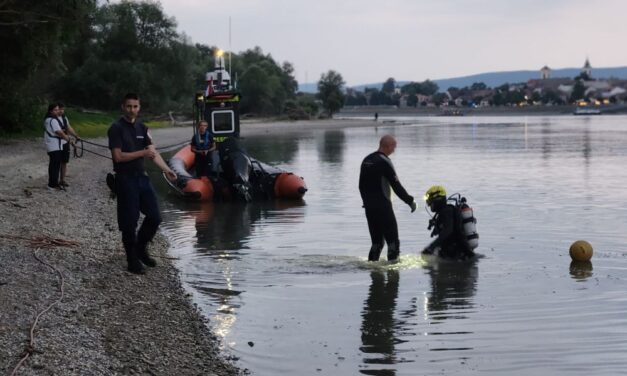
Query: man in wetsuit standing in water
x=376 y=178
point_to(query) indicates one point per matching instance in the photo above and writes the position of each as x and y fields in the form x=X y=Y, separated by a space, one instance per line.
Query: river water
x=287 y=288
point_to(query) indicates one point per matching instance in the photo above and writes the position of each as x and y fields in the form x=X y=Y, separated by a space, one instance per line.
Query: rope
x=30 y=348
x=95 y=144
x=159 y=148
x=98 y=154
x=75 y=148
x=82 y=148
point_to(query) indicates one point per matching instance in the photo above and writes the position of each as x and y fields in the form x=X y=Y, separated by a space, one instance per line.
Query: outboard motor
x=236 y=166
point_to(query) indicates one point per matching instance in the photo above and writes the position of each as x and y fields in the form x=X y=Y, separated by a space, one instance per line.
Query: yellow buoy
x=581 y=250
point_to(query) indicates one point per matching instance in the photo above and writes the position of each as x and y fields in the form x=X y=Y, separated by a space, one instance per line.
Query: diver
x=447 y=226
x=376 y=177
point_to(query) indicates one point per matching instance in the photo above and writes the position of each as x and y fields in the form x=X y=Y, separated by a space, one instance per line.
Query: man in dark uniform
x=447 y=227
x=130 y=143
x=375 y=179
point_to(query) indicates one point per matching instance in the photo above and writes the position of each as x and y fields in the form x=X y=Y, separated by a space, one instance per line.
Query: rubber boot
x=375 y=252
x=134 y=266
x=393 y=251
x=146 y=233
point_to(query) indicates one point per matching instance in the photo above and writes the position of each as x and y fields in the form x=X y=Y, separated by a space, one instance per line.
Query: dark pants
x=135 y=194
x=65 y=156
x=54 y=167
x=201 y=165
x=382 y=226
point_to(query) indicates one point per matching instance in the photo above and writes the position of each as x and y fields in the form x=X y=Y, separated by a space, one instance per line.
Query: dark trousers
x=382 y=226
x=207 y=165
x=135 y=194
x=201 y=165
x=54 y=167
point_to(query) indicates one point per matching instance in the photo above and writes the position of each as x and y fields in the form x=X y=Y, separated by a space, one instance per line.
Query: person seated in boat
x=447 y=227
x=206 y=160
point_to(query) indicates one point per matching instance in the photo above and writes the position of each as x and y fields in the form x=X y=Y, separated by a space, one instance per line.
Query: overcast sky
x=368 y=41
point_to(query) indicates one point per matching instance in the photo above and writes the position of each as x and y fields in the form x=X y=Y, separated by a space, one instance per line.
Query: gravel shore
x=109 y=321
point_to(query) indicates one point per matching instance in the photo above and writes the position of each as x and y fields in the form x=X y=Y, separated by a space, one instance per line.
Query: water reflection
x=272 y=149
x=581 y=270
x=227 y=226
x=453 y=286
x=222 y=232
x=331 y=149
x=546 y=140
x=378 y=325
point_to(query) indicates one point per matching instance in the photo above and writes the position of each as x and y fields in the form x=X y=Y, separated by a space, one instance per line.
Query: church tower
x=587 y=68
x=545 y=73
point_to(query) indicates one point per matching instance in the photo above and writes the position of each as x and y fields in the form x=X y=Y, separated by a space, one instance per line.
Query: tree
x=426 y=87
x=34 y=36
x=265 y=86
x=579 y=91
x=389 y=86
x=135 y=47
x=330 y=91
x=429 y=87
x=412 y=100
x=478 y=86
x=440 y=98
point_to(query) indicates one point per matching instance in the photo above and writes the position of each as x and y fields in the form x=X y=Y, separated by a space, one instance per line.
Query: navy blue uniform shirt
x=129 y=137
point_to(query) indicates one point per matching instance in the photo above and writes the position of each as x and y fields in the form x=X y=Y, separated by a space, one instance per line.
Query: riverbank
x=109 y=322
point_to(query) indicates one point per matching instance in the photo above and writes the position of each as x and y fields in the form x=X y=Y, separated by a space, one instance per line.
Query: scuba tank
x=468 y=221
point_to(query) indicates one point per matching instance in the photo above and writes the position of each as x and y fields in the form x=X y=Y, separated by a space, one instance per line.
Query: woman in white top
x=54 y=138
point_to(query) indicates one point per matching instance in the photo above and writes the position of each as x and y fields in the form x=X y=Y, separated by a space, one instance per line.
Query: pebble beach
x=62 y=251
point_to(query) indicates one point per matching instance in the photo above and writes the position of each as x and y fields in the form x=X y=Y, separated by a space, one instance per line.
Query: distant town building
x=545 y=73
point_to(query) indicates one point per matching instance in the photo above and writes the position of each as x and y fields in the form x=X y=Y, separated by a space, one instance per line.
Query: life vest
x=204 y=144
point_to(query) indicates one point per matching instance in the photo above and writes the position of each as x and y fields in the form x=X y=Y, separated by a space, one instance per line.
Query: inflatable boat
x=240 y=177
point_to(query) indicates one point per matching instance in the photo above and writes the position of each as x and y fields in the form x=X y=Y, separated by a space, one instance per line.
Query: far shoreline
x=392 y=111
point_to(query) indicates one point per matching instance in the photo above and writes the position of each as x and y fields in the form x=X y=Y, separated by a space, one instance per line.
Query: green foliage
x=330 y=91
x=265 y=86
x=89 y=53
x=34 y=37
x=426 y=87
x=579 y=91
x=478 y=86
x=135 y=48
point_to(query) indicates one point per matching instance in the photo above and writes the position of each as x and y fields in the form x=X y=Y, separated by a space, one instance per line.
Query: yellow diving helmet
x=434 y=192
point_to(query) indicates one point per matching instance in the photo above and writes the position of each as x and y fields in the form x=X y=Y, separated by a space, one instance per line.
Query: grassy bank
x=86 y=124
x=92 y=124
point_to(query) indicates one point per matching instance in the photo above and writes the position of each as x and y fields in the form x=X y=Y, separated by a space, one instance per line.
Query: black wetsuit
x=450 y=236
x=376 y=178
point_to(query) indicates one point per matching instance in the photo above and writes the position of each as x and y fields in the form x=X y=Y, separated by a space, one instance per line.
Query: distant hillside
x=494 y=79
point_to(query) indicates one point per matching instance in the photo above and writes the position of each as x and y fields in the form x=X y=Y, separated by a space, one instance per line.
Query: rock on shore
x=109 y=321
